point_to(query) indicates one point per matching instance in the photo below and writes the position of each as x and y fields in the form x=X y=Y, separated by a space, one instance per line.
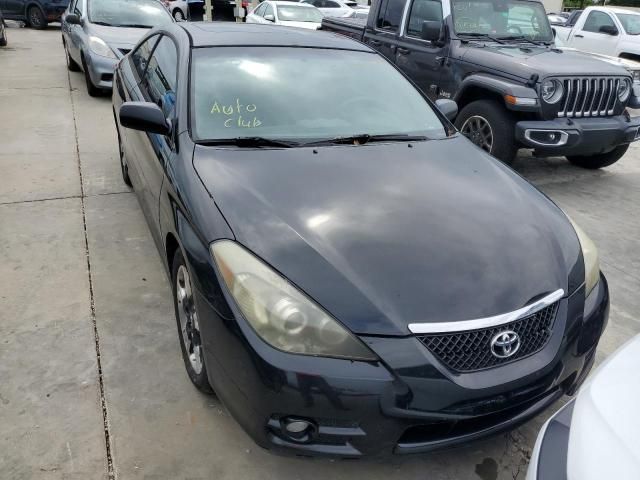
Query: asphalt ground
x=92 y=383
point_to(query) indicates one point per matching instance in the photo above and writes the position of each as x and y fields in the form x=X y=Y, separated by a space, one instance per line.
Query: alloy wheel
x=478 y=130
x=189 y=326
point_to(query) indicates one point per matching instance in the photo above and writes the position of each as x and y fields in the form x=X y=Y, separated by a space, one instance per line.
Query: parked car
x=35 y=13
x=96 y=34
x=3 y=31
x=339 y=8
x=595 y=436
x=555 y=19
x=290 y=14
x=336 y=303
x=178 y=8
x=606 y=30
x=515 y=90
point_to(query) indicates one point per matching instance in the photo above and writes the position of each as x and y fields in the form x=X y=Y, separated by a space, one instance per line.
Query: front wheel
x=72 y=66
x=188 y=324
x=36 y=18
x=91 y=88
x=491 y=127
x=600 y=160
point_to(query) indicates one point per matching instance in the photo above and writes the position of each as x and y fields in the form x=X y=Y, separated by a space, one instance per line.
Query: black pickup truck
x=497 y=59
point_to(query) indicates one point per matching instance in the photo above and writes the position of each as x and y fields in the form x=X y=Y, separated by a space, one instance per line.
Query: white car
x=178 y=8
x=596 y=436
x=339 y=8
x=291 y=14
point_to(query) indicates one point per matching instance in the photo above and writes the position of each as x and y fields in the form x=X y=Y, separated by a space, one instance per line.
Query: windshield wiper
x=522 y=37
x=104 y=24
x=134 y=25
x=249 y=142
x=363 y=138
x=481 y=35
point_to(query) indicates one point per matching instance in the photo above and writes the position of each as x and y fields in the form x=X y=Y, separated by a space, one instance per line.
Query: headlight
x=279 y=313
x=624 y=89
x=591 y=260
x=99 y=47
x=552 y=90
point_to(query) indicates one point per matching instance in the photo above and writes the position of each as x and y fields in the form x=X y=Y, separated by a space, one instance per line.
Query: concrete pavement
x=92 y=383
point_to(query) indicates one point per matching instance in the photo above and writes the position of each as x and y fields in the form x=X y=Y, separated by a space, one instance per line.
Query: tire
x=500 y=127
x=600 y=160
x=72 y=65
x=178 y=15
x=36 y=18
x=3 y=34
x=188 y=334
x=91 y=88
x=124 y=167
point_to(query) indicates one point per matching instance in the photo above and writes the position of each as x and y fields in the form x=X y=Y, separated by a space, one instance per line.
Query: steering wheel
x=514 y=29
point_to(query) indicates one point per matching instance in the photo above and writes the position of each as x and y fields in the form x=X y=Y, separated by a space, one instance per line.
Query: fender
x=499 y=86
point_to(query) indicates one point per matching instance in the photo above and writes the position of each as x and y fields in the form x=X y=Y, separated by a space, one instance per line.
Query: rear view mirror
x=270 y=17
x=449 y=108
x=144 y=116
x=72 y=19
x=609 y=29
x=431 y=30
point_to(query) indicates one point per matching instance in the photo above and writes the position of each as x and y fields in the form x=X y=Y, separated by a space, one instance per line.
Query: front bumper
x=406 y=403
x=100 y=69
x=578 y=136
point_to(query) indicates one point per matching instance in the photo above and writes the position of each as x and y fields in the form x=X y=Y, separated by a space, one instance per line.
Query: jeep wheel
x=491 y=127
x=601 y=160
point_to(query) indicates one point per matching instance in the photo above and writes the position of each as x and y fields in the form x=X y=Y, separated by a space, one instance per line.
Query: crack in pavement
x=50 y=199
x=111 y=475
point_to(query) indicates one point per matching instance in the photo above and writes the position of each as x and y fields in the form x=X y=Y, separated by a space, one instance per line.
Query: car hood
x=383 y=235
x=307 y=25
x=524 y=61
x=623 y=62
x=118 y=37
x=605 y=420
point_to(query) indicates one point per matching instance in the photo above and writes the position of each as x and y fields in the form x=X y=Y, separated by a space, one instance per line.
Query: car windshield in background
x=294 y=13
x=303 y=94
x=508 y=19
x=630 y=23
x=128 y=13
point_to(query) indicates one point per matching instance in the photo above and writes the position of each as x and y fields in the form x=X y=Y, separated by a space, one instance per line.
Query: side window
x=595 y=20
x=78 y=7
x=268 y=10
x=390 y=15
x=423 y=11
x=330 y=4
x=162 y=75
x=140 y=57
x=260 y=10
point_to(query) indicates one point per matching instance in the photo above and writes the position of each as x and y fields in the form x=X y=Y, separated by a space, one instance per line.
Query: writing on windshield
x=236 y=115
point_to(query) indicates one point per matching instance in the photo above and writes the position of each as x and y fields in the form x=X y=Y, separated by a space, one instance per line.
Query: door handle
x=404 y=51
x=579 y=36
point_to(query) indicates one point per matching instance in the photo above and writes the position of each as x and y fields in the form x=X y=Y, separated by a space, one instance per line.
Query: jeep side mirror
x=431 y=30
x=72 y=19
x=609 y=30
x=449 y=108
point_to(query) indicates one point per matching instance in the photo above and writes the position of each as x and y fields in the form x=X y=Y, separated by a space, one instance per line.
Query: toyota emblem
x=505 y=344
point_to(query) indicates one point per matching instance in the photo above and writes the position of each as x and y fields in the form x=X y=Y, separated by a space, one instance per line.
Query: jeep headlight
x=552 y=90
x=279 y=313
x=99 y=47
x=624 y=90
x=591 y=259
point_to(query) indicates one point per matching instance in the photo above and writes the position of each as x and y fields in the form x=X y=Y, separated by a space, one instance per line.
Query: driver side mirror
x=72 y=19
x=449 y=108
x=144 y=116
x=431 y=30
x=609 y=30
x=270 y=17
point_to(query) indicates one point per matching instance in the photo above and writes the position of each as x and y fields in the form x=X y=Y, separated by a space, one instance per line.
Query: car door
x=158 y=86
x=12 y=9
x=422 y=60
x=384 y=37
x=590 y=36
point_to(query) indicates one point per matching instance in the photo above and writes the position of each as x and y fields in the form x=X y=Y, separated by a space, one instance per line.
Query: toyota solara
x=350 y=275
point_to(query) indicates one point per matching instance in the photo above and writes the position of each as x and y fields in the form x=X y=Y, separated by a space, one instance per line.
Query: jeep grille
x=589 y=97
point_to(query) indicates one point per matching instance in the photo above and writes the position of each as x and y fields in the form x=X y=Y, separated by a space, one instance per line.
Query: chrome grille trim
x=479 y=323
x=589 y=96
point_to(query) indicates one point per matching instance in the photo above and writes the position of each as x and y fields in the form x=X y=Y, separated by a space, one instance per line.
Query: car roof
x=227 y=34
x=285 y=2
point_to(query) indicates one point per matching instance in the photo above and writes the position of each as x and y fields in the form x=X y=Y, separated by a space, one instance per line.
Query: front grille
x=471 y=350
x=589 y=97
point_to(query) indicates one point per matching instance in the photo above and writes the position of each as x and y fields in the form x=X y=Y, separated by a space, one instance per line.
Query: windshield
x=294 y=13
x=630 y=23
x=300 y=94
x=502 y=18
x=128 y=13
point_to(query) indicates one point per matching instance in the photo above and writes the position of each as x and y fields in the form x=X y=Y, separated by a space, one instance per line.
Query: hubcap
x=478 y=130
x=34 y=17
x=189 y=327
